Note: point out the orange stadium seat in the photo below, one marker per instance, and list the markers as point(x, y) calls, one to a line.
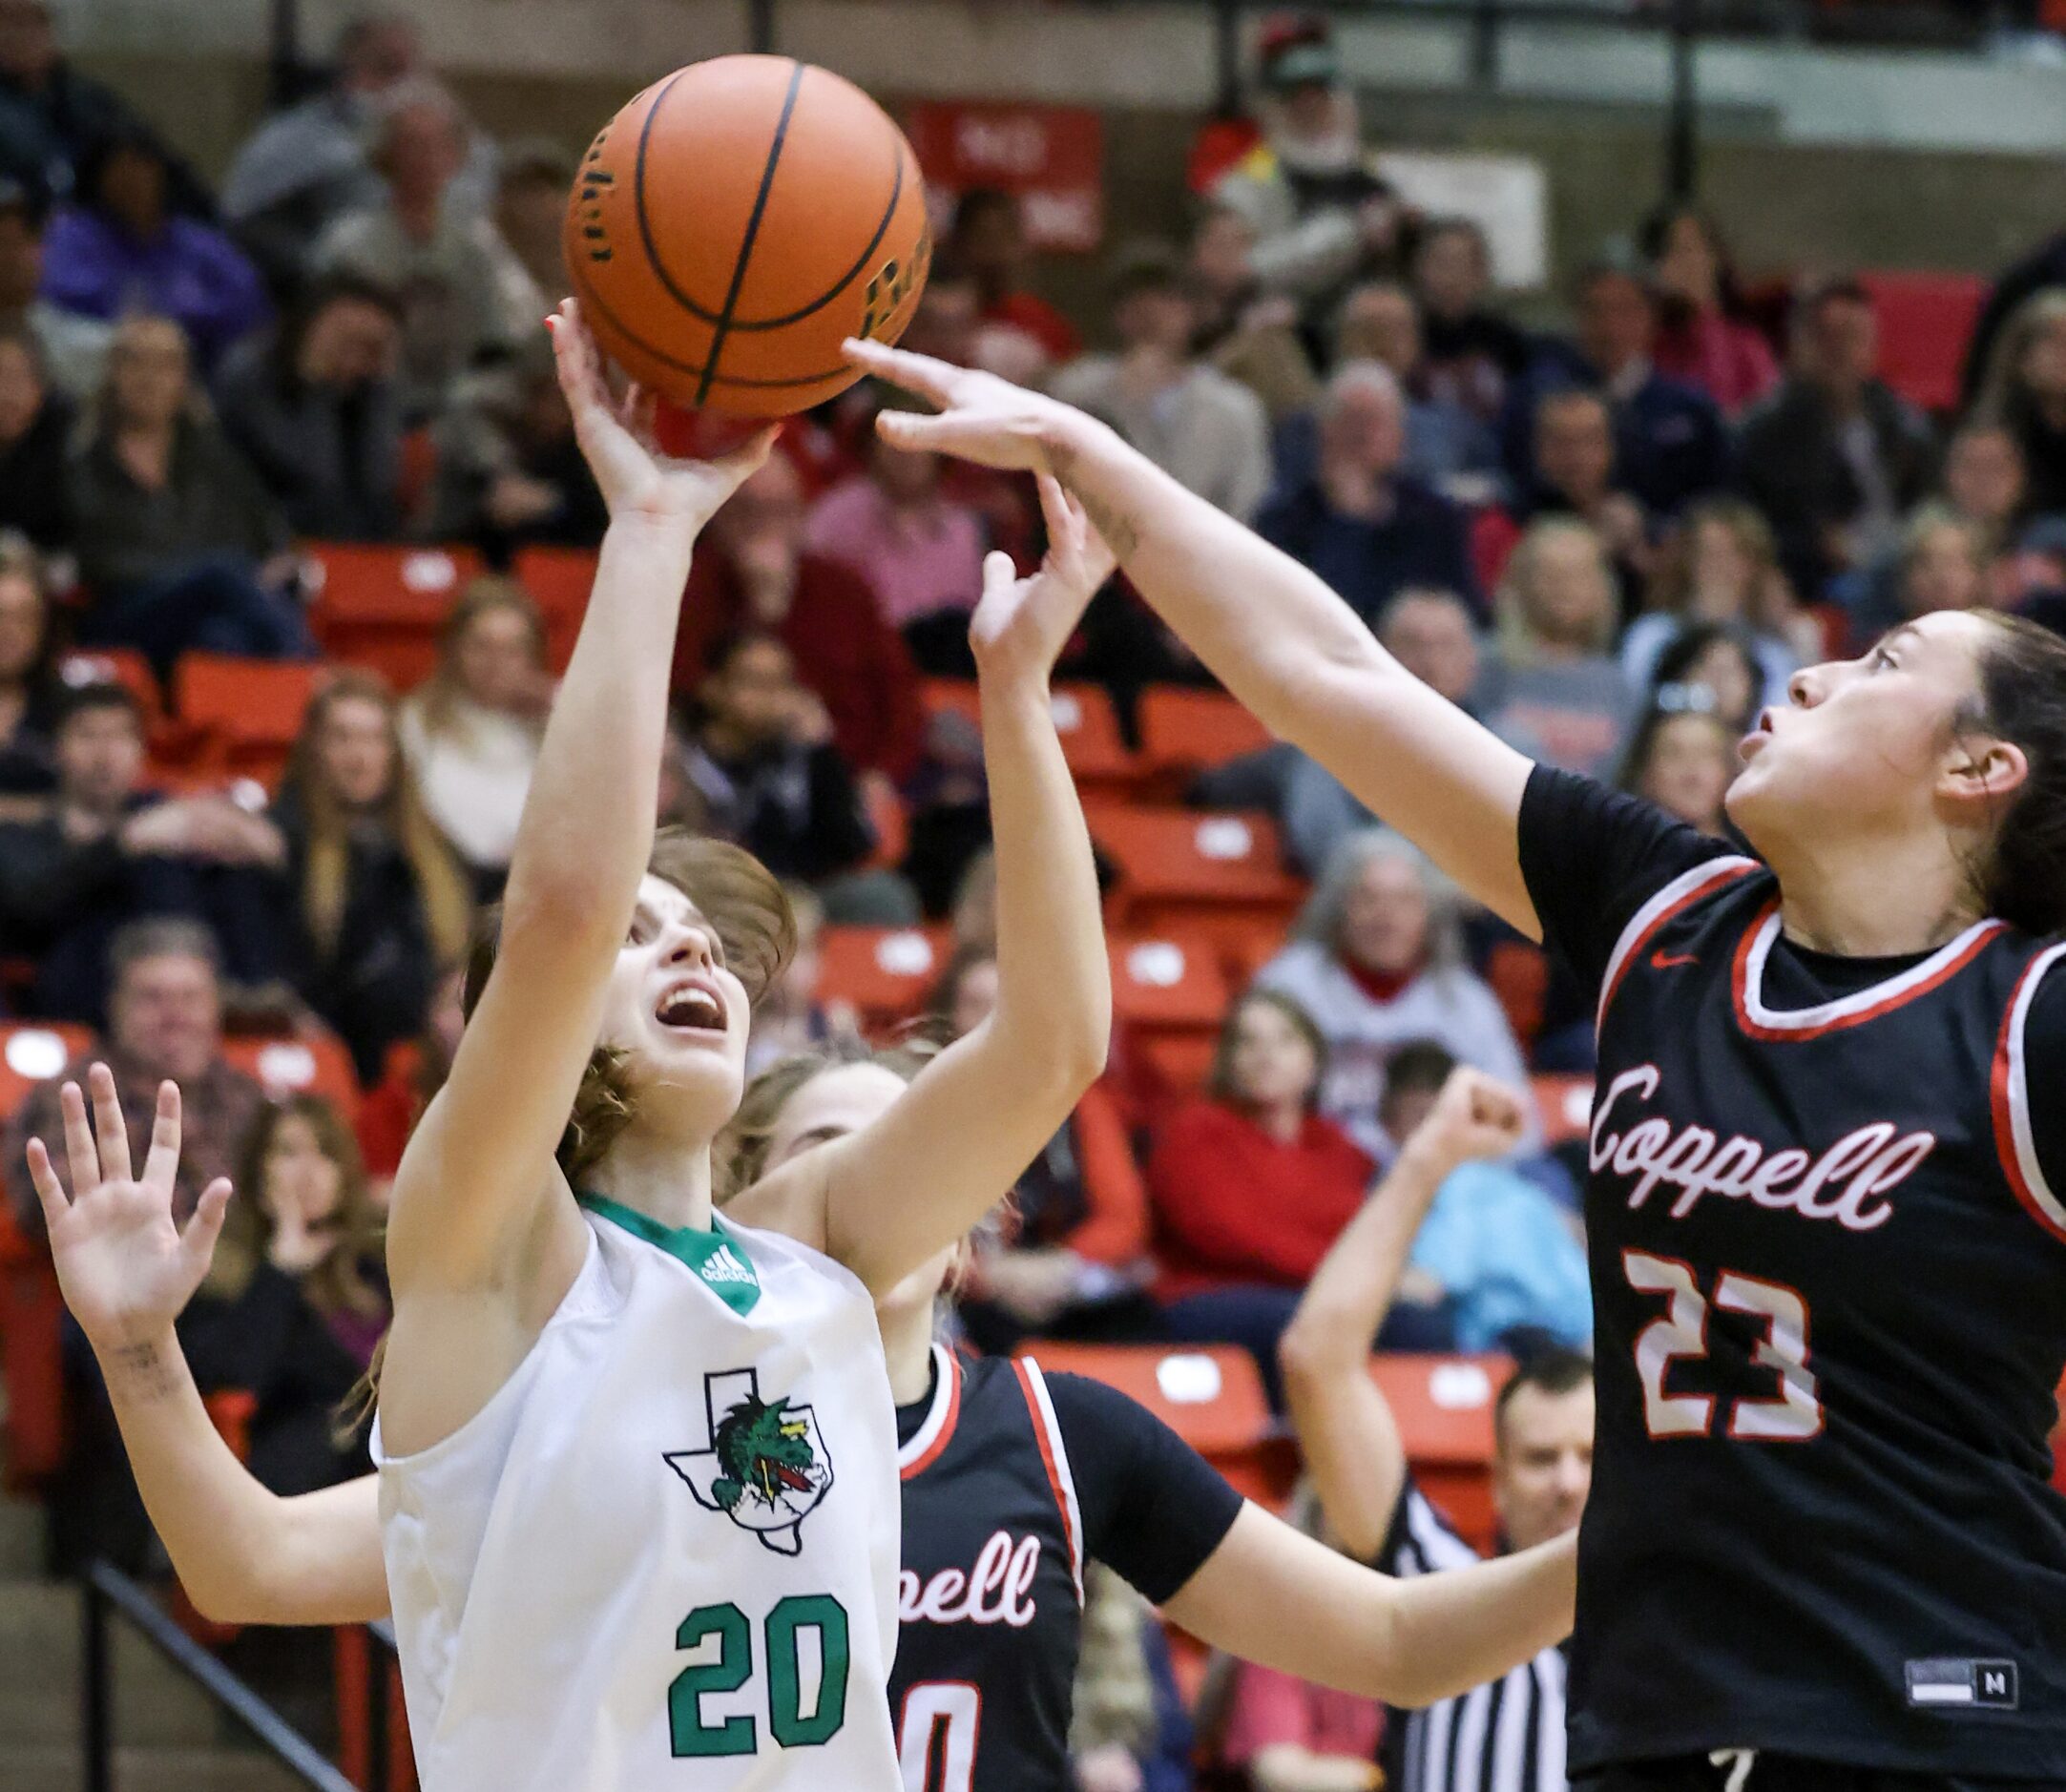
point(1444, 1408)
point(1565, 1104)
point(1084, 719)
point(886, 972)
point(1184, 731)
point(560, 580)
point(286, 1065)
point(1196, 869)
point(380, 607)
point(242, 715)
point(1210, 1395)
point(31, 1053)
point(1167, 983)
point(1926, 320)
point(119, 665)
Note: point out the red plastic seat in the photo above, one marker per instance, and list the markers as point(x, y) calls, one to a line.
point(1444, 1408)
point(1084, 719)
point(245, 712)
point(1926, 320)
point(33, 1052)
point(1167, 983)
point(1181, 1061)
point(560, 580)
point(119, 665)
point(1565, 1104)
point(886, 972)
point(316, 1062)
point(1210, 1395)
point(1184, 731)
point(1198, 871)
point(380, 607)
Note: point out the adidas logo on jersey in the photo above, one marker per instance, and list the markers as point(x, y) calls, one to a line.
point(720, 1265)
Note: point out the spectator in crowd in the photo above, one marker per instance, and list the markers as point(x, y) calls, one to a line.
point(1985, 480)
point(31, 686)
point(509, 471)
point(920, 553)
point(1321, 212)
point(1670, 443)
point(751, 572)
point(380, 898)
point(103, 852)
point(1714, 666)
point(1552, 674)
point(2025, 391)
point(164, 1022)
point(305, 166)
point(74, 348)
point(52, 116)
point(530, 218)
point(1834, 457)
point(1943, 564)
point(117, 247)
point(1066, 1257)
point(1288, 1735)
point(312, 404)
point(1128, 1729)
point(414, 1072)
point(291, 1307)
point(1204, 430)
point(1702, 338)
point(36, 430)
point(1682, 757)
point(1472, 353)
point(178, 539)
point(793, 1016)
point(988, 239)
point(1364, 528)
point(1247, 334)
point(2044, 267)
point(471, 731)
point(1572, 475)
point(1249, 1186)
point(1446, 445)
point(1721, 565)
point(423, 241)
point(762, 761)
point(1378, 959)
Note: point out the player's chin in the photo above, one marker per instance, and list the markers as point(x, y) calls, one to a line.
point(695, 1073)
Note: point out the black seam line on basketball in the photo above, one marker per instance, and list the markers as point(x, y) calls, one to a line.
point(723, 325)
point(749, 325)
point(591, 301)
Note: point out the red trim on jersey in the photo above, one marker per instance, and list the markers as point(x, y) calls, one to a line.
point(1047, 1460)
point(1641, 942)
point(1997, 1084)
point(1739, 985)
point(930, 1454)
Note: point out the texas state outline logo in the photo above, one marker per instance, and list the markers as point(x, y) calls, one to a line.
point(765, 1467)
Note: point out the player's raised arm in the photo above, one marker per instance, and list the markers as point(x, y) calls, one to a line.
point(243, 1553)
point(1346, 1430)
point(479, 1212)
point(1278, 638)
point(912, 1182)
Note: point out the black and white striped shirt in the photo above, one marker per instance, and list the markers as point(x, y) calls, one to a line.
point(1506, 1736)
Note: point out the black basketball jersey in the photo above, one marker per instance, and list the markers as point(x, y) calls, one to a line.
point(1829, 1285)
point(1011, 1480)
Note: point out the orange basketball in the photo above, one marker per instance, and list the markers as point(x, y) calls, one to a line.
point(737, 220)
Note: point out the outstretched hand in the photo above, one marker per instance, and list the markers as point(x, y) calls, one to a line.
point(1021, 625)
point(618, 440)
point(980, 417)
point(1475, 1116)
point(126, 1269)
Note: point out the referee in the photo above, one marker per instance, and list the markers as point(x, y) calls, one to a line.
point(1506, 1735)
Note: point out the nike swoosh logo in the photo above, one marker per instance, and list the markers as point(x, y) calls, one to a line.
point(1661, 960)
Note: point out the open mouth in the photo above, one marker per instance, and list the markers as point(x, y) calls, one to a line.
point(690, 1008)
point(1760, 733)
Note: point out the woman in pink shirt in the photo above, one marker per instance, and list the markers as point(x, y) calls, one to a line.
point(1699, 339)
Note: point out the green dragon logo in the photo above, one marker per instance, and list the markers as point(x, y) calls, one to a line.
point(766, 1465)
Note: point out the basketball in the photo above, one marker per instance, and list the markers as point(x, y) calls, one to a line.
point(734, 222)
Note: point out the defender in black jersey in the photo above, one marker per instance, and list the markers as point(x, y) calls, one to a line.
point(1828, 1201)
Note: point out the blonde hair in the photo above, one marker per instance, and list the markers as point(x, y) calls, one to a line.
point(1768, 604)
point(738, 1160)
point(1519, 639)
point(437, 700)
point(448, 901)
point(1114, 1701)
point(99, 419)
point(2001, 397)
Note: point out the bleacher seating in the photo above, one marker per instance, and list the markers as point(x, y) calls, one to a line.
point(380, 607)
point(886, 972)
point(1084, 719)
point(243, 715)
point(559, 580)
point(1926, 320)
point(1184, 732)
point(1169, 991)
point(1220, 874)
point(312, 1059)
point(1444, 1408)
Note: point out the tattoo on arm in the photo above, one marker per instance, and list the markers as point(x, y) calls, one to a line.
point(1121, 533)
point(142, 1371)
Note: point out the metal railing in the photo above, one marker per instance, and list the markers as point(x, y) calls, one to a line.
point(107, 1594)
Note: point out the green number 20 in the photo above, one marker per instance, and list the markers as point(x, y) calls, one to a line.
point(786, 1719)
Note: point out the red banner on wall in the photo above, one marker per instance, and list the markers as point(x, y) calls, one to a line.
point(1052, 157)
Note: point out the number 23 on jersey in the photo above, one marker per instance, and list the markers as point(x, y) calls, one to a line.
point(1789, 1413)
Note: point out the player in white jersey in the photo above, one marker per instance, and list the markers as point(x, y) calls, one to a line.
point(637, 1483)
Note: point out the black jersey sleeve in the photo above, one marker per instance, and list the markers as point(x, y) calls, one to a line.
point(2044, 1072)
point(1591, 855)
point(1153, 1508)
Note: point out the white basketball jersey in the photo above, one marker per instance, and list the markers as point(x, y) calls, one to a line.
point(665, 1553)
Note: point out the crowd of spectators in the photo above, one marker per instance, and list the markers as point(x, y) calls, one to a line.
point(1613, 545)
